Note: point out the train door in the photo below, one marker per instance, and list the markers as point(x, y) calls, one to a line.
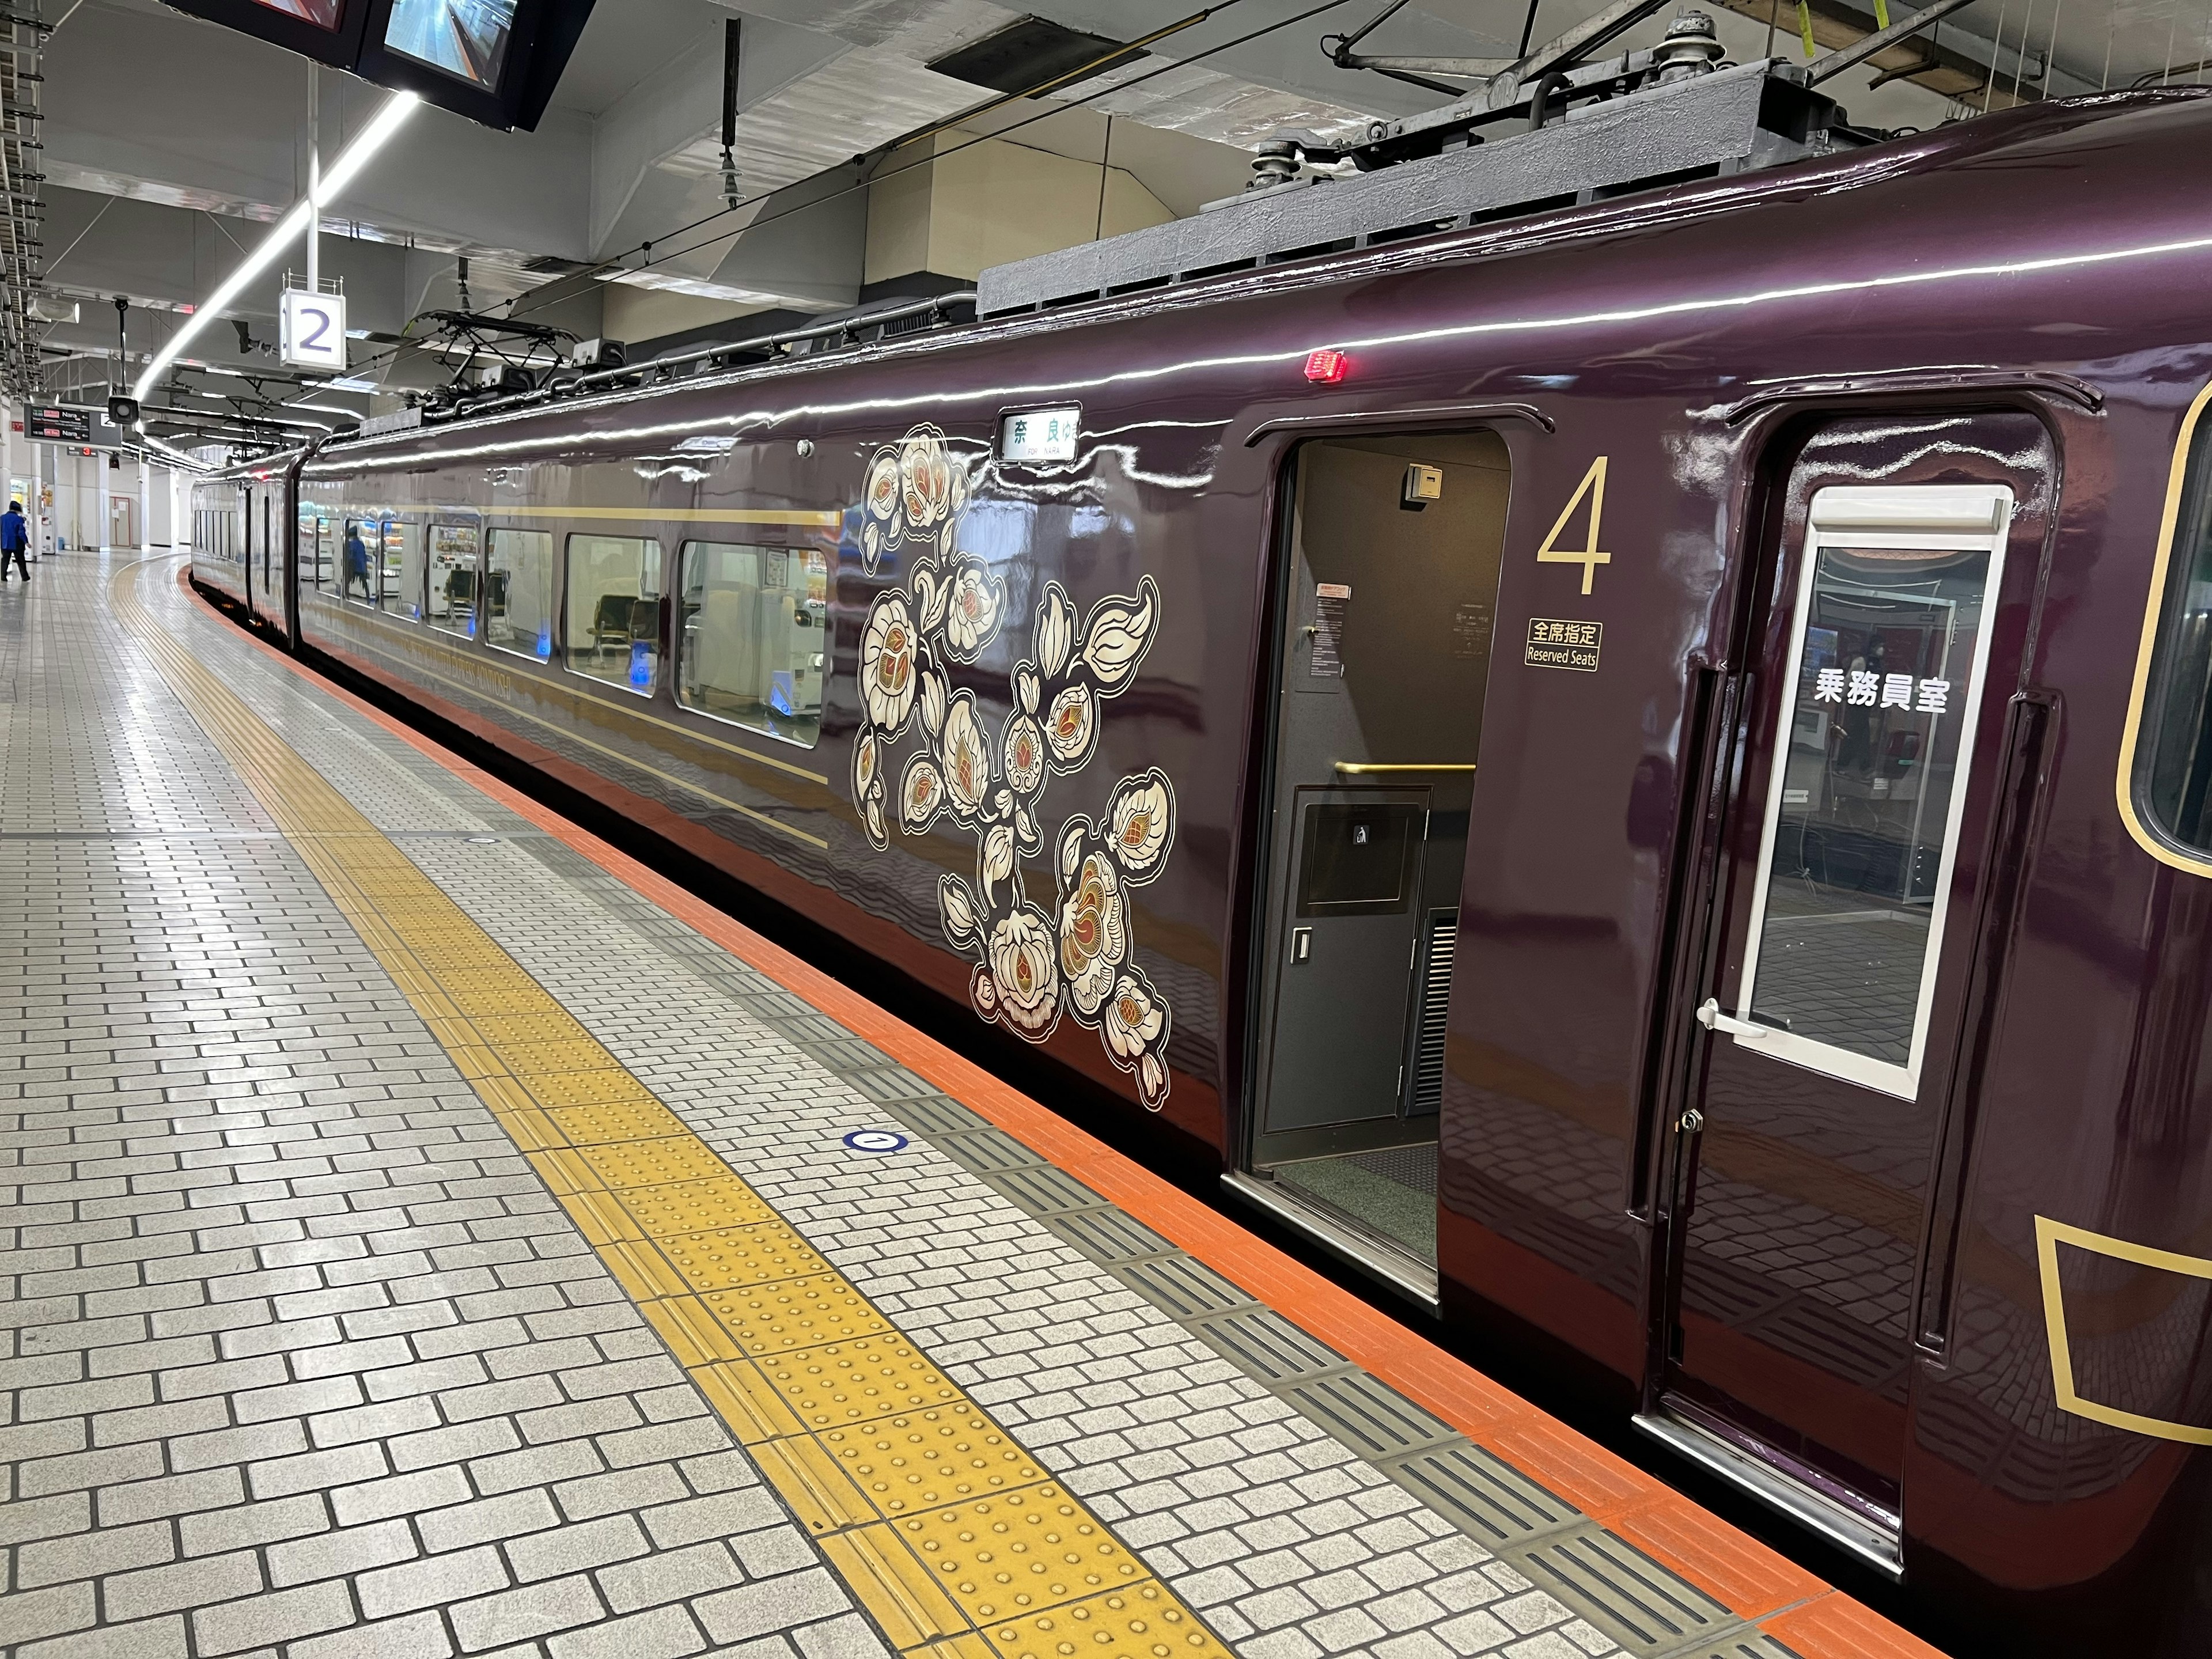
point(1842, 908)
point(245, 548)
point(1394, 554)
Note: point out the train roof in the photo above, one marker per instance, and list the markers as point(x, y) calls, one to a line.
point(1945, 149)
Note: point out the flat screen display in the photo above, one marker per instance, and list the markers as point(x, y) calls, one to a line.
point(466, 38)
point(323, 14)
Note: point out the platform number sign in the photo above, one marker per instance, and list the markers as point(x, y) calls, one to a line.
point(314, 330)
point(1592, 488)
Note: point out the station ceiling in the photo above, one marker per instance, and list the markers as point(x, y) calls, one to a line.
point(171, 142)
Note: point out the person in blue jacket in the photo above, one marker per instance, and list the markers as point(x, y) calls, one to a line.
point(14, 541)
point(356, 562)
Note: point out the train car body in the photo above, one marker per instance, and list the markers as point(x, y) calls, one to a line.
point(1672, 725)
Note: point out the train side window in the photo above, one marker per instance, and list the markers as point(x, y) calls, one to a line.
point(452, 602)
point(314, 545)
point(614, 610)
point(518, 597)
point(753, 639)
point(360, 544)
point(2173, 781)
point(403, 571)
point(1896, 593)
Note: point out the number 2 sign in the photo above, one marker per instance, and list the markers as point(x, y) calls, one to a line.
point(314, 330)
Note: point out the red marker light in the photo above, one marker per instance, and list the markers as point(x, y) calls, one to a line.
point(1327, 367)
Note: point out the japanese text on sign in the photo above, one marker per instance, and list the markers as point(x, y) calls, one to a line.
point(1554, 643)
point(1861, 689)
point(1040, 434)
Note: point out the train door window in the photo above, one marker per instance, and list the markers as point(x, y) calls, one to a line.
point(518, 597)
point(404, 571)
point(2172, 765)
point(452, 601)
point(360, 543)
point(1395, 546)
point(753, 643)
point(614, 610)
point(314, 545)
point(392, 557)
point(1894, 600)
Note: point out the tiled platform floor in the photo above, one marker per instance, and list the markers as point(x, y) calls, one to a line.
point(306, 1358)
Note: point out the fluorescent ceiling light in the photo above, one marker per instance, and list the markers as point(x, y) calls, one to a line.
point(356, 156)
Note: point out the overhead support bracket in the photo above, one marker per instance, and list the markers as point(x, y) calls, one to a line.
point(1503, 77)
point(1858, 51)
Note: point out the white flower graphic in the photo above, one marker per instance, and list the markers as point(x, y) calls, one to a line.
point(1141, 822)
point(1025, 754)
point(921, 794)
point(1094, 934)
point(1055, 631)
point(1120, 628)
point(1069, 726)
point(955, 910)
point(1029, 963)
point(887, 662)
point(924, 478)
point(1134, 1019)
point(1025, 973)
point(967, 761)
point(971, 617)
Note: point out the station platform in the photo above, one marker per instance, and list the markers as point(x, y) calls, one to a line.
point(431, 1233)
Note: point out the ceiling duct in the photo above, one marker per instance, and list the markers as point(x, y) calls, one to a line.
point(1031, 53)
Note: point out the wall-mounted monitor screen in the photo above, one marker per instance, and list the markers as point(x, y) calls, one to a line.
point(323, 14)
point(493, 61)
point(465, 37)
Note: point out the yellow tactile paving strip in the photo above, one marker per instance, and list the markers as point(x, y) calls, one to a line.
point(951, 1534)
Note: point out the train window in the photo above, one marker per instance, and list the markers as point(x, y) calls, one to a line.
point(2173, 781)
point(403, 570)
point(452, 602)
point(753, 639)
point(358, 544)
point(314, 545)
point(1891, 636)
point(614, 610)
point(518, 596)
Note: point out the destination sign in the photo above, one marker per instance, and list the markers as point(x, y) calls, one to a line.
point(50, 423)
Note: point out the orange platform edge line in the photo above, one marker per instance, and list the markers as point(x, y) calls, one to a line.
point(1752, 1581)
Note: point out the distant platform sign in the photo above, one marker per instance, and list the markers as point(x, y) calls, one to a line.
point(50, 423)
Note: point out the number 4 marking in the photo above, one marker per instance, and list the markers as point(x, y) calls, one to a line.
point(1587, 555)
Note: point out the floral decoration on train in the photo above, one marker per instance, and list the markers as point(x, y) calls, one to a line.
point(926, 753)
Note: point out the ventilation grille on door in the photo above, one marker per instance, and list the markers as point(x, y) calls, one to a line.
point(1428, 1093)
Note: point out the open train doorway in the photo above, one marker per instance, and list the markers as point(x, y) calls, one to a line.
point(1393, 551)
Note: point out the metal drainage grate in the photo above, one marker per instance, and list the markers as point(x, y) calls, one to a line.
point(884, 1085)
point(1375, 1420)
point(983, 1151)
point(1180, 1286)
point(1106, 1235)
point(1268, 1347)
point(934, 1115)
point(1621, 1591)
point(1485, 1497)
point(847, 1054)
point(1042, 1189)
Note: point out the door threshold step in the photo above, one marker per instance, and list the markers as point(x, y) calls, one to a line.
point(1405, 1274)
point(1874, 1537)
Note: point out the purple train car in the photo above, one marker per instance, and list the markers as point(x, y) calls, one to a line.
point(1640, 766)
